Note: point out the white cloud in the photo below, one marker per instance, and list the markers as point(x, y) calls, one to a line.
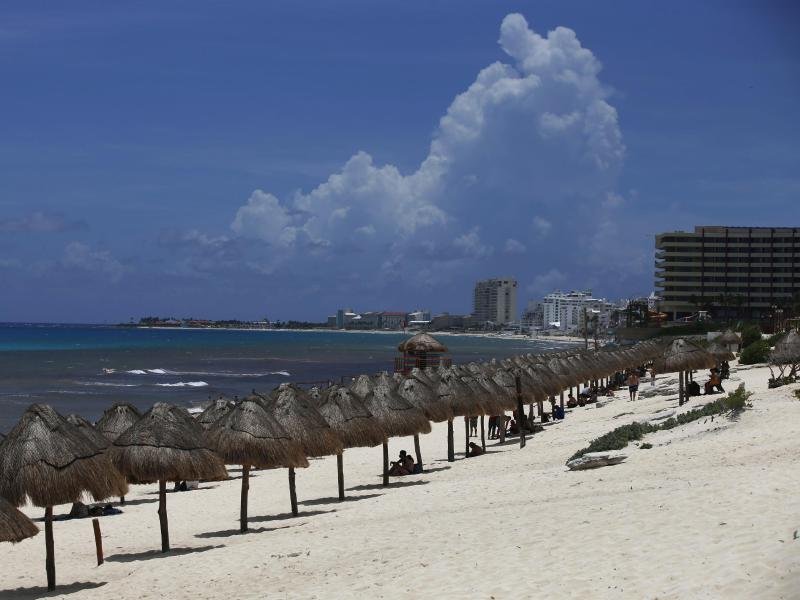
point(80, 256)
point(513, 246)
point(546, 282)
point(613, 200)
point(541, 226)
point(527, 142)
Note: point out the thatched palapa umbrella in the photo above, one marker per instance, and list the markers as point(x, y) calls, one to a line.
point(681, 356)
point(214, 411)
point(14, 525)
point(89, 431)
point(250, 435)
point(165, 445)
point(294, 410)
point(49, 461)
point(117, 420)
point(731, 339)
point(349, 417)
point(396, 415)
point(424, 397)
point(720, 352)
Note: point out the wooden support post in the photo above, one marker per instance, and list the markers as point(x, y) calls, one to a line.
point(50, 559)
point(385, 462)
point(451, 454)
point(561, 400)
point(162, 514)
point(243, 503)
point(98, 541)
point(292, 492)
point(520, 411)
point(466, 436)
point(540, 408)
point(680, 388)
point(418, 450)
point(483, 434)
point(340, 474)
point(122, 500)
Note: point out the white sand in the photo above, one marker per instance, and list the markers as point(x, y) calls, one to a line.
point(711, 511)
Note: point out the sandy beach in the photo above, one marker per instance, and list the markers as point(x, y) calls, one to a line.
point(711, 511)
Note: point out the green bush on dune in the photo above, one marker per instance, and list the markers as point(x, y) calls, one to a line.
point(750, 334)
point(757, 352)
point(616, 439)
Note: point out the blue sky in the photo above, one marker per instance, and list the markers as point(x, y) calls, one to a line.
point(281, 159)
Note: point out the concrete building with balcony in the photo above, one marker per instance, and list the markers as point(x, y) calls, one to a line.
point(738, 272)
point(566, 311)
point(495, 301)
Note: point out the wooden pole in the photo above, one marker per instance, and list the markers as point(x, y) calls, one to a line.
point(162, 514)
point(98, 541)
point(451, 455)
point(385, 462)
point(562, 399)
point(483, 434)
point(340, 474)
point(50, 560)
point(540, 407)
point(680, 388)
point(245, 491)
point(418, 450)
point(292, 491)
point(520, 409)
point(466, 436)
point(122, 500)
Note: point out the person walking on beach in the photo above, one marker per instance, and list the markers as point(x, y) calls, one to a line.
point(633, 384)
point(473, 426)
point(501, 427)
point(492, 427)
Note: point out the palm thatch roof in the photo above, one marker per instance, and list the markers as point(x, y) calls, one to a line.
point(787, 350)
point(423, 396)
point(214, 411)
point(719, 351)
point(49, 460)
point(88, 430)
point(294, 410)
point(729, 338)
point(166, 444)
point(117, 419)
point(502, 396)
point(14, 526)
point(397, 416)
point(349, 417)
point(421, 343)
point(683, 355)
point(249, 434)
point(489, 400)
point(457, 394)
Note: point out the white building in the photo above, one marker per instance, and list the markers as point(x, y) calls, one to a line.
point(533, 316)
point(495, 300)
point(565, 311)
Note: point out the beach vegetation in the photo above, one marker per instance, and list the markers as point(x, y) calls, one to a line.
point(750, 334)
point(645, 446)
point(731, 405)
point(757, 352)
point(797, 393)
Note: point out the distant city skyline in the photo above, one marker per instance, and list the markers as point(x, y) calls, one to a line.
point(281, 160)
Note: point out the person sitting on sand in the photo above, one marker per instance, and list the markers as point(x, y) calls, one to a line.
point(399, 466)
point(512, 427)
point(571, 402)
point(713, 382)
point(408, 464)
point(474, 450)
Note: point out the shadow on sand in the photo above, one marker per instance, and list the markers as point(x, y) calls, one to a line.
point(151, 554)
point(335, 499)
point(392, 484)
point(233, 532)
point(41, 592)
point(285, 516)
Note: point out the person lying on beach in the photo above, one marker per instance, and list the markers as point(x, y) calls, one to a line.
point(400, 466)
point(474, 450)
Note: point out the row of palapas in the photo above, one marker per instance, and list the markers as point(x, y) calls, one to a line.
point(50, 460)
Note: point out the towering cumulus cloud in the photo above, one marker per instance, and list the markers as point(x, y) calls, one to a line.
point(530, 149)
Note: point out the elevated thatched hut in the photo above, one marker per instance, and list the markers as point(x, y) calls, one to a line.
point(14, 525)
point(420, 352)
point(49, 461)
point(351, 419)
point(250, 435)
point(116, 420)
point(166, 444)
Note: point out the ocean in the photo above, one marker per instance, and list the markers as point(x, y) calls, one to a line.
point(84, 369)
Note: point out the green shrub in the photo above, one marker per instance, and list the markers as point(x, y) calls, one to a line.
point(757, 352)
point(750, 334)
point(616, 439)
point(645, 446)
point(797, 394)
point(775, 338)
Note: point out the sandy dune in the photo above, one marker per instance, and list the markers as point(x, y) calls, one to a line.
point(711, 511)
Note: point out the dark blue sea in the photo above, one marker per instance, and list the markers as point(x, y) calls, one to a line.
point(84, 369)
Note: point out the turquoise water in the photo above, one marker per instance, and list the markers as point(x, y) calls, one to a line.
point(85, 369)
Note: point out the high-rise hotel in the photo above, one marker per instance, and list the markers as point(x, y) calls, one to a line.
point(744, 272)
point(495, 300)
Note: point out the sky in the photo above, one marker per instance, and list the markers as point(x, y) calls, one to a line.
point(283, 159)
